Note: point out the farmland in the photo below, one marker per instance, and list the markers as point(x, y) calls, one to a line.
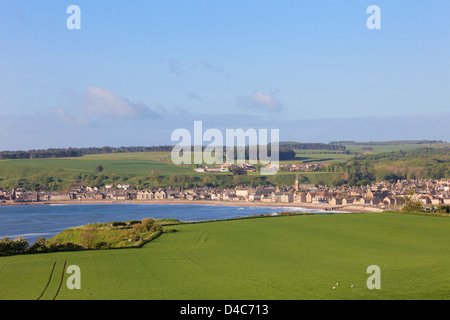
point(60, 173)
point(144, 169)
point(285, 257)
point(155, 169)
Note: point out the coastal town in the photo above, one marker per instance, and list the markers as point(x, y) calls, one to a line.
point(382, 195)
point(291, 167)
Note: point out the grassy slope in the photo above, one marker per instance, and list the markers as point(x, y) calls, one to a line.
point(66, 170)
point(110, 165)
point(129, 167)
point(132, 166)
point(294, 257)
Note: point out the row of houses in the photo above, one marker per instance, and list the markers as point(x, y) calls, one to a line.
point(429, 192)
point(302, 166)
point(226, 167)
point(19, 195)
point(262, 194)
point(291, 196)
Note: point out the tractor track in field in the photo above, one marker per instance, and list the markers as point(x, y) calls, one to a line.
point(204, 266)
point(62, 280)
point(205, 239)
point(52, 272)
point(198, 240)
point(49, 279)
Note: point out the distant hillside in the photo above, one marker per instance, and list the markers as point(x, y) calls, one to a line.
point(311, 146)
point(285, 149)
point(76, 152)
point(421, 163)
point(385, 143)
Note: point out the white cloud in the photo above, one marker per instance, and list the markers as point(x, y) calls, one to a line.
point(99, 101)
point(69, 118)
point(97, 104)
point(261, 101)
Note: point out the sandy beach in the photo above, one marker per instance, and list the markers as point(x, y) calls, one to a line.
point(350, 208)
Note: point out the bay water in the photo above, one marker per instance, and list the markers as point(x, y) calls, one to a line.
point(34, 221)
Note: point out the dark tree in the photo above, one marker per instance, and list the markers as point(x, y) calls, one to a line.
point(239, 171)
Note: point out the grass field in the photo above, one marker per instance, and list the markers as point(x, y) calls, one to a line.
point(286, 257)
point(135, 164)
point(381, 147)
point(127, 168)
point(64, 172)
point(319, 156)
point(155, 169)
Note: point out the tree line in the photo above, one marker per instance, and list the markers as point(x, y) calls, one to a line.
point(312, 146)
point(284, 153)
point(422, 163)
point(387, 143)
point(77, 152)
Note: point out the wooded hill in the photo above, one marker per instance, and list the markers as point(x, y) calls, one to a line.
point(311, 146)
point(422, 163)
point(76, 152)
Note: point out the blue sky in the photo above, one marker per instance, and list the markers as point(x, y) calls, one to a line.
point(136, 71)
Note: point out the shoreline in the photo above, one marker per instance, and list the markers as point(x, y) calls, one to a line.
point(325, 207)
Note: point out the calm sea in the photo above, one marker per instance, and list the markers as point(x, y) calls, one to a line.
point(34, 221)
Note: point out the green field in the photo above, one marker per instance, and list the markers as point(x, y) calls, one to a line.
point(61, 173)
point(152, 170)
point(391, 146)
point(319, 156)
point(285, 257)
point(134, 163)
point(137, 169)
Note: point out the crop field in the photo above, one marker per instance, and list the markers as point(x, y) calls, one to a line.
point(274, 258)
point(155, 169)
point(138, 164)
point(380, 147)
point(142, 163)
point(320, 156)
point(61, 173)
